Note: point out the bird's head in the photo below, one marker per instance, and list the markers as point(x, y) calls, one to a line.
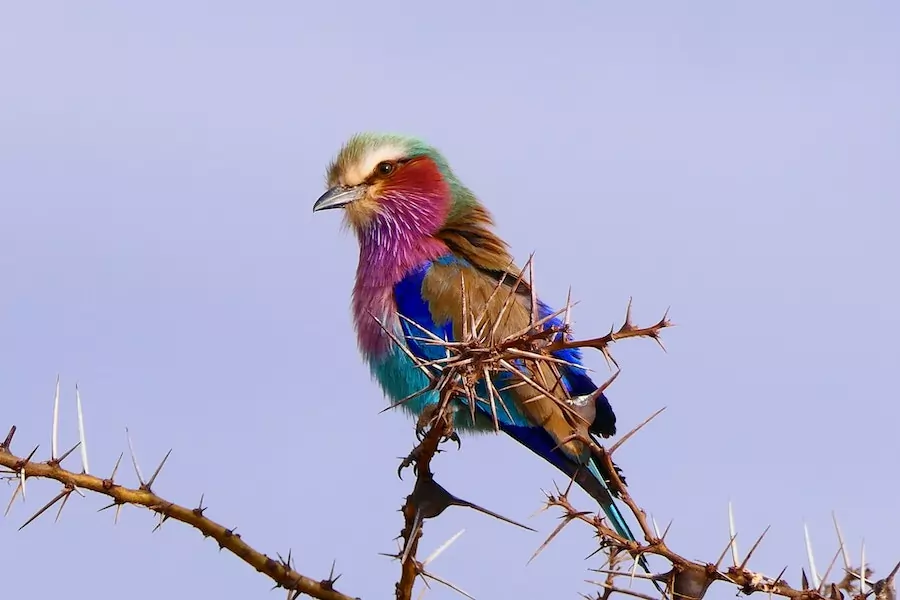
point(391, 182)
point(405, 205)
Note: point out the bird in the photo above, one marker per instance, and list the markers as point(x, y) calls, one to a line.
point(423, 238)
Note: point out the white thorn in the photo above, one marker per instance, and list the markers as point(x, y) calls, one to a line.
point(534, 300)
point(812, 561)
point(844, 554)
point(12, 499)
point(733, 535)
point(442, 547)
point(134, 461)
point(862, 567)
point(567, 320)
point(54, 440)
point(655, 526)
point(81, 436)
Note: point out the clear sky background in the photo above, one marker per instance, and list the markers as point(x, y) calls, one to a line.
point(158, 164)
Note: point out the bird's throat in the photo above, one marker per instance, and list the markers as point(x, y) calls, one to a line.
point(382, 264)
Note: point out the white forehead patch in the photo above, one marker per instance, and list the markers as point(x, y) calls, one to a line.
point(360, 170)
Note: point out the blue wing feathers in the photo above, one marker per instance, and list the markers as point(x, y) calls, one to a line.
point(411, 304)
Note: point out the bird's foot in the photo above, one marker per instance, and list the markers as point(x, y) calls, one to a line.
point(411, 460)
point(421, 451)
point(431, 418)
point(433, 428)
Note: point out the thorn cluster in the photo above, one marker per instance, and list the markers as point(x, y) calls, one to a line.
point(690, 580)
point(483, 356)
point(467, 375)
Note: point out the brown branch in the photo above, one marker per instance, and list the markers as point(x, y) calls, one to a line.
point(627, 330)
point(412, 515)
point(428, 499)
point(279, 571)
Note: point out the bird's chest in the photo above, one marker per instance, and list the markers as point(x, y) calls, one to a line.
point(385, 349)
point(383, 345)
point(375, 320)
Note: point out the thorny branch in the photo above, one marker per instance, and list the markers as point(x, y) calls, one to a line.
point(414, 510)
point(280, 571)
point(463, 379)
point(428, 498)
point(475, 360)
point(481, 354)
point(690, 580)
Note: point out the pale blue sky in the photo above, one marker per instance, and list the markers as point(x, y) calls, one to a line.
point(158, 163)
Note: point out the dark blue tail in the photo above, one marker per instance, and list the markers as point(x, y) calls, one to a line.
point(589, 479)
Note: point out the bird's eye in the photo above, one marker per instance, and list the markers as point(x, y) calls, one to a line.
point(385, 168)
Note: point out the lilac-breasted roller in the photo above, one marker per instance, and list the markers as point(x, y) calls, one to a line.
point(421, 231)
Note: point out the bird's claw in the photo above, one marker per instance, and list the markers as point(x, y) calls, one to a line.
point(424, 422)
point(454, 437)
point(410, 461)
point(430, 418)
